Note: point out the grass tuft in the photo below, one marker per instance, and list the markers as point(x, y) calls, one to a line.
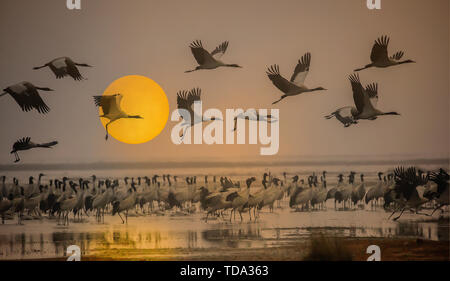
point(327, 249)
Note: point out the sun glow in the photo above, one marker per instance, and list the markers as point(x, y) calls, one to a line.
point(141, 96)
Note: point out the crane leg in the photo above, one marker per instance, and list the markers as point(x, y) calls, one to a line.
point(439, 207)
point(396, 218)
point(184, 132)
point(121, 218)
point(17, 157)
point(395, 211)
point(106, 137)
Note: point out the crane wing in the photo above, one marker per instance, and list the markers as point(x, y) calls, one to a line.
point(406, 181)
point(397, 56)
point(220, 50)
point(201, 55)
point(72, 70)
point(34, 99)
point(21, 142)
point(358, 92)
point(183, 101)
point(301, 70)
point(273, 72)
point(58, 66)
point(441, 179)
point(345, 112)
point(194, 95)
point(379, 50)
point(186, 99)
point(19, 97)
point(372, 92)
point(109, 104)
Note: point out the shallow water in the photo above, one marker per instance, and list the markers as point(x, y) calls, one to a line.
point(45, 239)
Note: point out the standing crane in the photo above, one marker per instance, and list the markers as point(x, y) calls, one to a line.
point(125, 204)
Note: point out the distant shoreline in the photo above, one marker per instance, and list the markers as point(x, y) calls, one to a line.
point(216, 164)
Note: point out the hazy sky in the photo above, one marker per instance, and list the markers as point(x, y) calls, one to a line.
point(151, 38)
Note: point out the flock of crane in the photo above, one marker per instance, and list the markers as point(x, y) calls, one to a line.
point(27, 95)
point(401, 190)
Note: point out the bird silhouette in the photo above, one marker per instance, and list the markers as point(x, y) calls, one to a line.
point(25, 144)
point(27, 96)
point(208, 60)
point(365, 100)
point(64, 66)
point(253, 115)
point(380, 57)
point(111, 109)
point(185, 100)
point(296, 85)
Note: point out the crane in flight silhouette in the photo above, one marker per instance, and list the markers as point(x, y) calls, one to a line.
point(112, 110)
point(25, 143)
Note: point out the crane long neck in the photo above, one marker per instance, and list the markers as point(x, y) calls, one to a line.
point(405, 61)
point(231, 65)
point(315, 89)
point(39, 67)
point(44, 89)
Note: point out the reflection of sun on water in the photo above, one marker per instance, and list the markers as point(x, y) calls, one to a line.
point(141, 96)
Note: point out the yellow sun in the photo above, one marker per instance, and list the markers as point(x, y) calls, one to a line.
point(141, 96)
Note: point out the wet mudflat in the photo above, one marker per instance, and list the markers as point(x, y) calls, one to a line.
point(281, 235)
